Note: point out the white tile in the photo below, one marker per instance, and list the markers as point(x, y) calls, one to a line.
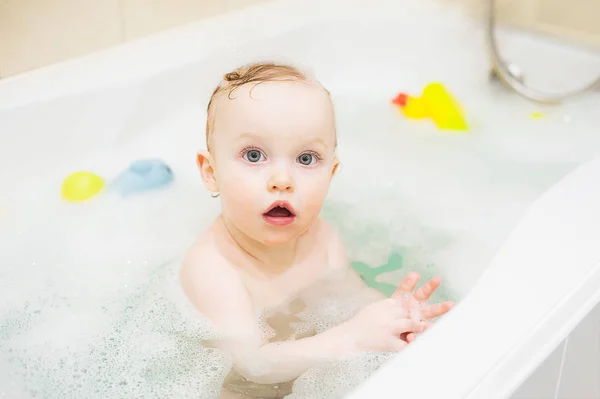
point(581, 371)
point(580, 378)
point(542, 383)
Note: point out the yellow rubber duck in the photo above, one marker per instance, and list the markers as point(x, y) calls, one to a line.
point(435, 102)
point(82, 185)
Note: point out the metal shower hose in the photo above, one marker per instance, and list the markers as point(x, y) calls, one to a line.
point(502, 72)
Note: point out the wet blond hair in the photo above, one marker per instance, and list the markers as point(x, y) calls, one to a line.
point(256, 73)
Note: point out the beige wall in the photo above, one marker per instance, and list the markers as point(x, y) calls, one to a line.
point(574, 20)
point(34, 33)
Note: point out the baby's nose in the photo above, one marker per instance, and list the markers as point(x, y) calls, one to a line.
point(281, 182)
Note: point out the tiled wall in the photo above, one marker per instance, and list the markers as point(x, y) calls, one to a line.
point(577, 21)
point(577, 376)
point(34, 33)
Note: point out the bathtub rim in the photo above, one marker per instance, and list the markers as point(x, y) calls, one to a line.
point(505, 372)
point(576, 305)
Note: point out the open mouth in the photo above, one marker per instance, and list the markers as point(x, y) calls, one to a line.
point(280, 213)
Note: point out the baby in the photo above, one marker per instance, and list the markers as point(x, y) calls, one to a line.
point(271, 155)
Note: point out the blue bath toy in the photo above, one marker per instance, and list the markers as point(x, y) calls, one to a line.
point(369, 274)
point(143, 175)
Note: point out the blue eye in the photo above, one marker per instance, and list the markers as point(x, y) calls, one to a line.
point(307, 159)
point(253, 156)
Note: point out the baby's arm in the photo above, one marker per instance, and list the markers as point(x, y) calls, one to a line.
point(215, 288)
point(414, 302)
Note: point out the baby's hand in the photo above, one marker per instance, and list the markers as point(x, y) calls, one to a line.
point(378, 326)
point(416, 303)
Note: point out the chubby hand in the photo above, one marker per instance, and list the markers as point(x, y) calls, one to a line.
point(380, 326)
point(416, 302)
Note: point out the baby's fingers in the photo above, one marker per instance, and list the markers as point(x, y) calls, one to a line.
point(397, 345)
point(426, 325)
point(406, 325)
point(429, 312)
point(427, 289)
point(399, 313)
point(407, 285)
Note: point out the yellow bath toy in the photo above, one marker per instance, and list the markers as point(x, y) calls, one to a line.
point(537, 115)
point(435, 102)
point(412, 107)
point(80, 186)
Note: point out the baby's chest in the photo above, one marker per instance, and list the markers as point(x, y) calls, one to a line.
point(271, 293)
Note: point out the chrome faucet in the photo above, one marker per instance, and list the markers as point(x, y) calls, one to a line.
point(512, 76)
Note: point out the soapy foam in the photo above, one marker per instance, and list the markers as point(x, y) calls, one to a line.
point(91, 303)
point(148, 346)
point(336, 379)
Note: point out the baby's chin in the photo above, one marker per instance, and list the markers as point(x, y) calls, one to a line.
point(280, 238)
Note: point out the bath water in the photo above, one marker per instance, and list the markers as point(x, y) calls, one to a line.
point(90, 304)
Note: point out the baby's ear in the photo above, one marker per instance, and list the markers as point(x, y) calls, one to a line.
point(205, 163)
point(336, 163)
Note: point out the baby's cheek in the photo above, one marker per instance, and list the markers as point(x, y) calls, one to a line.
point(236, 183)
point(241, 196)
point(314, 199)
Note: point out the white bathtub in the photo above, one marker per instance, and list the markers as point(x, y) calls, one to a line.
point(524, 251)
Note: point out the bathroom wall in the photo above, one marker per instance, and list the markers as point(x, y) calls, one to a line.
point(572, 371)
point(577, 21)
point(34, 33)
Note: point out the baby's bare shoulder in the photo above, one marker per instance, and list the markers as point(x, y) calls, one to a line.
point(202, 249)
point(204, 259)
point(209, 280)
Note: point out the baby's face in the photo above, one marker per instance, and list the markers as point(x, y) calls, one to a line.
point(274, 146)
